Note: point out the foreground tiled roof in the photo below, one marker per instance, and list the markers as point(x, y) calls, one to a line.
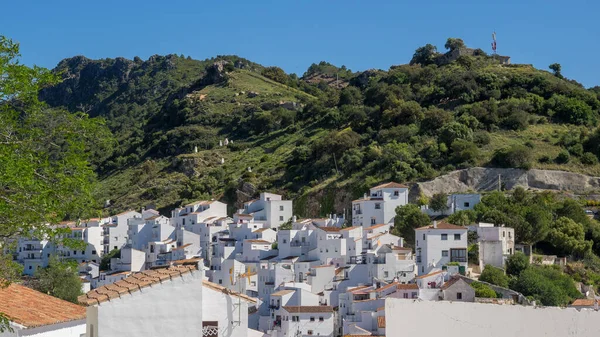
point(32, 308)
point(430, 274)
point(442, 225)
point(381, 322)
point(584, 302)
point(308, 308)
point(391, 184)
point(133, 283)
point(410, 286)
point(145, 279)
point(330, 229)
point(450, 283)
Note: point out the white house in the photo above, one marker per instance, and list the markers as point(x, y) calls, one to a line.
point(379, 206)
point(115, 232)
point(305, 321)
point(166, 301)
point(440, 244)
point(496, 244)
point(455, 203)
point(32, 313)
point(269, 209)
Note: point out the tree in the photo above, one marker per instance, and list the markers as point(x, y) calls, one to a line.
point(483, 290)
point(60, 279)
point(453, 131)
point(425, 55)
point(515, 156)
point(105, 262)
point(516, 263)
point(546, 285)
point(556, 68)
point(276, 74)
point(439, 202)
point(493, 275)
point(45, 173)
point(464, 152)
point(409, 217)
point(463, 218)
point(454, 43)
point(350, 95)
point(568, 237)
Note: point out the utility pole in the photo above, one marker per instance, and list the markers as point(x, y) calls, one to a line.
point(499, 184)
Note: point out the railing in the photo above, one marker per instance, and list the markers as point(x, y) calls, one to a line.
point(297, 244)
point(458, 259)
point(357, 212)
point(32, 248)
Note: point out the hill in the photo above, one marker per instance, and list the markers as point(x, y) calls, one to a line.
point(320, 141)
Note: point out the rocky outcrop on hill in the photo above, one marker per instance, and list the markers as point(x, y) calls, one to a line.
point(215, 73)
point(488, 179)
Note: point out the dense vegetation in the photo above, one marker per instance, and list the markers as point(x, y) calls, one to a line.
point(303, 134)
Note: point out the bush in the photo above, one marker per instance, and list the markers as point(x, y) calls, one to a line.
point(483, 290)
point(589, 158)
point(494, 275)
point(516, 263)
point(481, 138)
point(545, 159)
point(547, 285)
point(563, 157)
point(516, 156)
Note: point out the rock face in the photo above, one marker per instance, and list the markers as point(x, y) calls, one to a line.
point(487, 179)
point(215, 73)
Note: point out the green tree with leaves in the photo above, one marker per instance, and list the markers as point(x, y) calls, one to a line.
point(516, 263)
point(568, 237)
point(463, 218)
point(556, 69)
point(454, 43)
point(425, 55)
point(60, 279)
point(409, 217)
point(493, 275)
point(439, 202)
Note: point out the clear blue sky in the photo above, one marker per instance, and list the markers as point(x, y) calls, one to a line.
point(293, 34)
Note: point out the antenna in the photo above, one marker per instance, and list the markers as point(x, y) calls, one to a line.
point(494, 42)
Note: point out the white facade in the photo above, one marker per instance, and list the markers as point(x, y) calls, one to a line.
point(379, 206)
point(496, 244)
point(68, 329)
point(462, 319)
point(115, 232)
point(440, 244)
point(305, 321)
point(455, 203)
point(269, 209)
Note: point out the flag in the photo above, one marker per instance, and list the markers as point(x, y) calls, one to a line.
point(494, 46)
point(494, 36)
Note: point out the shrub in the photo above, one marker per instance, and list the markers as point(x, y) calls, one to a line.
point(589, 158)
point(494, 275)
point(481, 138)
point(563, 157)
point(516, 263)
point(545, 159)
point(483, 290)
point(516, 156)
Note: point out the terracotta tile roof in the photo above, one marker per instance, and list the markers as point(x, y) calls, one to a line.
point(430, 274)
point(324, 266)
point(350, 228)
point(182, 247)
point(185, 262)
point(245, 215)
point(442, 225)
point(329, 229)
point(385, 287)
point(259, 241)
point(381, 322)
point(224, 290)
point(283, 292)
point(584, 302)
point(153, 217)
point(449, 284)
point(339, 270)
point(375, 236)
point(380, 308)
point(260, 230)
point(308, 308)
point(376, 226)
point(32, 308)
point(409, 286)
point(132, 283)
point(391, 184)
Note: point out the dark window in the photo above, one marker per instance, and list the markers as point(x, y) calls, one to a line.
point(280, 218)
point(321, 319)
point(396, 193)
point(444, 253)
point(281, 208)
point(459, 296)
point(423, 236)
point(377, 206)
point(456, 237)
point(444, 237)
point(372, 221)
point(93, 252)
point(312, 319)
point(466, 204)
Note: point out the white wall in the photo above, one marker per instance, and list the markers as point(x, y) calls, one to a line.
point(171, 308)
point(68, 329)
point(461, 319)
point(229, 311)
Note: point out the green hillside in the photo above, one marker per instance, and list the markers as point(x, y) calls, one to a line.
point(304, 136)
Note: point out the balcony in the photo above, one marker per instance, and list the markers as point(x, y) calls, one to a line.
point(458, 259)
point(418, 259)
point(357, 212)
point(30, 248)
point(297, 244)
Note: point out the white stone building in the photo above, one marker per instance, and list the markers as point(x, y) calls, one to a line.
point(379, 205)
point(115, 231)
point(31, 313)
point(496, 244)
point(166, 301)
point(269, 209)
point(440, 244)
point(305, 321)
point(456, 202)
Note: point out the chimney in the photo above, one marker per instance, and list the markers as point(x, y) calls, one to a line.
point(434, 224)
point(365, 196)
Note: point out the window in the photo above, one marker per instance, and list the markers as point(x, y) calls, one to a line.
point(405, 295)
point(93, 252)
point(281, 218)
point(466, 204)
point(321, 319)
point(220, 281)
point(509, 235)
point(422, 269)
point(377, 205)
point(456, 237)
point(503, 233)
point(385, 274)
point(414, 295)
point(309, 332)
point(372, 221)
point(116, 247)
point(444, 253)
point(423, 236)
point(312, 319)
point(29, 267)
point(444, 237)
point(83, 252)
point(74, 252)
point(284, 241)
point(295, 319)
point(459, 296)
point(396, 193)
point(281, 208)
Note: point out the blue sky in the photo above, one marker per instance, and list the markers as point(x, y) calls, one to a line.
point(293, 34)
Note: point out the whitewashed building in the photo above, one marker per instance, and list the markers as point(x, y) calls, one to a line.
point(305, 321)
point(269, 209)
point(379, 205)
point(439, 244)
point(114, 232)
point(32, 313)
point(496, 244)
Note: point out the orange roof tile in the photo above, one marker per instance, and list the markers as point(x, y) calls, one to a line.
point(584, 302)
point(260, 230)
point(350, 228)
point(259, 241)
point(410, 286)
point(391, 184)
point(32, 308)
point(442, 225)
point(381, 322)
point(283, 292)
point(376, 226)
point(430, 274)
point(380, 308)
point(449, 284)
point(385, 287)
point(308, 308)
point(330, 229)
point(182, 247)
